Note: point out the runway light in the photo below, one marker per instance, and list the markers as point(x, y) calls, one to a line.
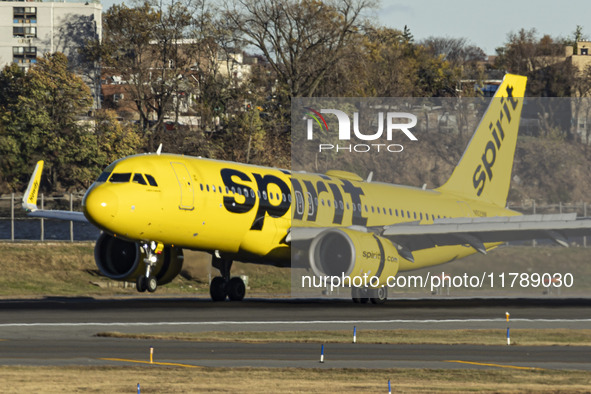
point(354, 334)
point(151, 355)
point(138, 389)
point(508, 337)
point(322, 353)
point(389, 387)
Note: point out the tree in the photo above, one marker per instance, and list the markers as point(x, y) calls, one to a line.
point(147, 46)
point(542, 60)
point(301, 40)
point(40, 119)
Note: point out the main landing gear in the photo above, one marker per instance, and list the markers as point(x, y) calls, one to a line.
point(361, 295)
point(147, 281)
point(224, 286)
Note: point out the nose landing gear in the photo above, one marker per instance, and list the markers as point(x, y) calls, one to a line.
point(149, 282)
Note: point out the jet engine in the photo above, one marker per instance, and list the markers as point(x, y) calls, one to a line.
point(349, 253)
point(123, 260)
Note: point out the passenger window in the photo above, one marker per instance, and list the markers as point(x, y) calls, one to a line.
point(378, 209)
point(220, 189)
point(372, 209)
point(289, 198)
point(251, 193)
point(201, 186)
point(207, 187)
point(396, 212)
point(120, 177)
point(227, 190)
point(390, 211)
point(213, 188)
point(151, 180)
point(233, 190)
point(138, 178)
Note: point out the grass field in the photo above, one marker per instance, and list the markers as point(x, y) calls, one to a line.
point(64, 269)
point(519, 337)
point(155, 379)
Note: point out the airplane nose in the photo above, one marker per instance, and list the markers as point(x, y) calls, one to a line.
point(100, 206)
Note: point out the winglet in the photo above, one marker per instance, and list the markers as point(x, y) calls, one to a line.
point(30, 197)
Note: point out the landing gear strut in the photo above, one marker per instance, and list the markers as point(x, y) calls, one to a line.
point(148, 282)
point(224, 286)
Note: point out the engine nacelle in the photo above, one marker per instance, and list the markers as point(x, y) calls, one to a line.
point(350, 253)
point(123, 260)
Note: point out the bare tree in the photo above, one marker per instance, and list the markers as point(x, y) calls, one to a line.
point(301, 40)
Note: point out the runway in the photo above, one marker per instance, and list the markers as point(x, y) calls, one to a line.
point(61, 331)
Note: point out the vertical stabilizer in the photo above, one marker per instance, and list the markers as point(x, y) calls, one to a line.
point(484, 171)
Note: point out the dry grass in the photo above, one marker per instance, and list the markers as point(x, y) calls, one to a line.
point(265, 380)
point(64, 269)
point(523, 337)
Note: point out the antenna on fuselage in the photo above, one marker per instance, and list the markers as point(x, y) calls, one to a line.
point(159, 150)
point(369, 177)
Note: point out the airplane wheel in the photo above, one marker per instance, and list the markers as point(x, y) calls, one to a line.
point(140, 283)
point(380, 295)
point(217, 289)
point(356, 295)
point(236, 289)
point(151, 284)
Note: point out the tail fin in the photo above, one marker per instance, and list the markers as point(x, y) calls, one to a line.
point(484, 171)
point(30, 197)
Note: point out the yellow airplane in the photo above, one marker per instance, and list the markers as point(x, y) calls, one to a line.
point(151, 206)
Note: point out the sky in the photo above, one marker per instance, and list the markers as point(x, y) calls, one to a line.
point(484, 23)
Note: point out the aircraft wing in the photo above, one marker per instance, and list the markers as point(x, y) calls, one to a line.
point(30, 201)
point(476, 232)
point(71, 216)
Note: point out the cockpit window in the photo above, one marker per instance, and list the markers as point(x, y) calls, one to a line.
point(151, 180)
point(138, 178)
point(103, 177)
point(120, 177)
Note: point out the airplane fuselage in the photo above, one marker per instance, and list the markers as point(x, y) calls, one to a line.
point(246, 211)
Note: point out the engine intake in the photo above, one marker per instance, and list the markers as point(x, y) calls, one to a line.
point(123, 260)
point(346, 252)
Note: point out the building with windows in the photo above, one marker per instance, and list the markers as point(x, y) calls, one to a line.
point(29, 29)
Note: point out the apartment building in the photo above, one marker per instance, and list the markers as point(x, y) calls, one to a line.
point(29, 29)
